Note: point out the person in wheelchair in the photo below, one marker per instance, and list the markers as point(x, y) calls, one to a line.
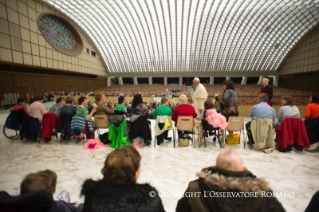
point(15, 118)
point(21, 104)
point(207, 128)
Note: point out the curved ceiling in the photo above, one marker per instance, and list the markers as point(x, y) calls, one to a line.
point(192, 35)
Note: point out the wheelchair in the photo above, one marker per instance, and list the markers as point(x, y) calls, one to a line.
point(12, 126)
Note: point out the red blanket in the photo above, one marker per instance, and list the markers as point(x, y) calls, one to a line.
point(48, 129)
point(292, 131)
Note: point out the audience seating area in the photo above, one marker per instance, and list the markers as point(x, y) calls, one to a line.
point(247, 94)
point(145, 90)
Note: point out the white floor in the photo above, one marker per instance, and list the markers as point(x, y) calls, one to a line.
point(166, 168)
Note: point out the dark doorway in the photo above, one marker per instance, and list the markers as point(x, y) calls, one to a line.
point(236, 80)
point(128, 80)
point(188, 80)
point(158, 80)
point(252, 80)
point(204, 80)
point(142, 80)
point(172, 80)
point(219, 80)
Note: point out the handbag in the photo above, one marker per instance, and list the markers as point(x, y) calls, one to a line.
point(104, 138)
point(233, 139)
point(183, 142)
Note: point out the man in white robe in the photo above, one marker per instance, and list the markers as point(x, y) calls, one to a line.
point(200, 96)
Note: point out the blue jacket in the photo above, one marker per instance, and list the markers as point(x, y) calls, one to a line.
point(30, 128)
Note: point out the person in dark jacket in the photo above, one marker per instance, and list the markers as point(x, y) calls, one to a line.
point(266, 89)
point(228, 186)
point(118, 190)
point(229, 100)
point(314, 203)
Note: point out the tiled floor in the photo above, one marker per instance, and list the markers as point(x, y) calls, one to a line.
point(166, 168)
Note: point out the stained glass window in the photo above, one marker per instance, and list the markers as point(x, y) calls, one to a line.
point(56, 32)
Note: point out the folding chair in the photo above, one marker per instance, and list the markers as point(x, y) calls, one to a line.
point(237, 124)
point(185, 123)
point(170, 128)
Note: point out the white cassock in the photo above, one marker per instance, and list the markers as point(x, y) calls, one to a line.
point(200, 97)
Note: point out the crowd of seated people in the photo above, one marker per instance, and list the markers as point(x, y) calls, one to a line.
point(157, 90)
point(247, 94)
point(118, 189)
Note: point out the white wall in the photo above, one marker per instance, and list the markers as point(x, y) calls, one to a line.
point(22, 43)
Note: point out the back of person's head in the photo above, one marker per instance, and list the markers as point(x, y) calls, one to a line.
point(98, 97)
point(229, 84)
point(137, 100)
point(289, 100)
point(121, 99)
point(315, 98)
point(121, 166)
point(229, 159)
point(164, 100)
point(208, 104)
point(58, 100)
point(20, 100)
point(183, 99)
point(38, 97)
point(41, 180)
point(263, 98)
point(69, 100)
point(81, 100)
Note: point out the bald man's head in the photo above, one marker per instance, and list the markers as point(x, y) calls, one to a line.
point(229, 159)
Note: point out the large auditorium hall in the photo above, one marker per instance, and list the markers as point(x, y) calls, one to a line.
point(159, 105)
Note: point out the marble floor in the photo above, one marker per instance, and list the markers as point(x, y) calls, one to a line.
point(166, 168)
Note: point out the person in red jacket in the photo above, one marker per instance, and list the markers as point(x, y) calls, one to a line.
point(21, 105)
point(183, 109)
point(312, 109)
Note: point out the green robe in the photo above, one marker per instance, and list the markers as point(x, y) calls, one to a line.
point(116, 135)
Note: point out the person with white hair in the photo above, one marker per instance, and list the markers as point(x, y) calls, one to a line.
point(183, 109)
point(200, 96)
point(266, 89)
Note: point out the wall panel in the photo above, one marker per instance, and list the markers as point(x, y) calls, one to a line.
point(39, 83)
point(21, 24)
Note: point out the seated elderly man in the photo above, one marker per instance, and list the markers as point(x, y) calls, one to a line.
point(183, 109)
point(260, 110)
point(57, 107)
point(163, 110)
point(228, 186)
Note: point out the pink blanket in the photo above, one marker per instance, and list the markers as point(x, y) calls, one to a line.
point(93, 144)
point(216, 119)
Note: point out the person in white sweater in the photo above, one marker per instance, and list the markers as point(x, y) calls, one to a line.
point(288, 110)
